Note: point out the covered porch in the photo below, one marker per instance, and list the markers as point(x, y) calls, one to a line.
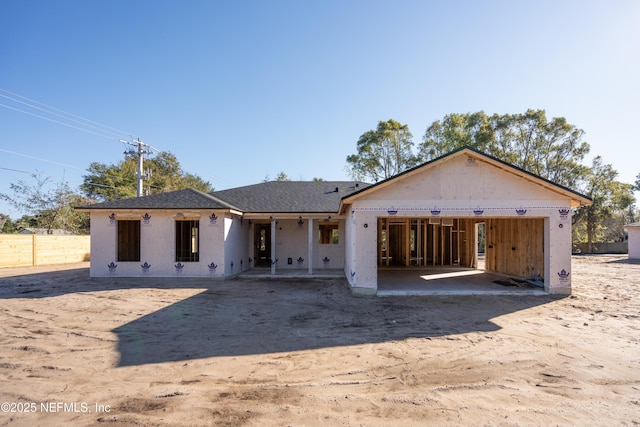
point(290, 245)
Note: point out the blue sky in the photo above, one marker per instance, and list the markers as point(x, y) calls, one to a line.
point(245, 89)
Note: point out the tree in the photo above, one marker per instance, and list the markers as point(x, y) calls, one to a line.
point(455, 131)
point(118, 181)
point(610, 198)
point(636, 186)
point(383, 152)
point(550, 149)
point(280, 177)
point(8, 227)
point(51, 205)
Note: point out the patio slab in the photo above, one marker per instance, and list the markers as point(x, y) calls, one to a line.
point(292, 273)
point(449, 281)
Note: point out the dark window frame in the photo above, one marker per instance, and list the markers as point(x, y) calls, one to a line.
point(329, 233)
point(187, 240)
point(128, 240)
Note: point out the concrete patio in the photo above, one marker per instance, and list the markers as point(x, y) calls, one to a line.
point(449, 281)
point(292, 273)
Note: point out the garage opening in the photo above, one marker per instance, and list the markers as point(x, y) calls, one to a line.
point(434, 247)
point(427, 242)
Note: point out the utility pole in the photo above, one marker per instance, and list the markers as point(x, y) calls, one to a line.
point(142, 149)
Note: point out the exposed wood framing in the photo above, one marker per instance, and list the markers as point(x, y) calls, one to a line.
point(515, 246)
point(404, 242)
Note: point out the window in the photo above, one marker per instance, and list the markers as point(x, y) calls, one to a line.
point(128, 240)
point(187, 241)
point(328, 234)
point(263, 239)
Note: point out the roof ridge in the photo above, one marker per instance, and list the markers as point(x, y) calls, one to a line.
point(217, 199)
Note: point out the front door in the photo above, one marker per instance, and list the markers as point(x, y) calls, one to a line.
point(262, 243)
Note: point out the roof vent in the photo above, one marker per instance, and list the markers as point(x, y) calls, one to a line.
point(336, 189)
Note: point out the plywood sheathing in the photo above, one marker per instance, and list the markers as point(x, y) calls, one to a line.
point(515, 246)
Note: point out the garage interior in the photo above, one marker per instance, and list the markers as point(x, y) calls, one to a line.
point(442, 253)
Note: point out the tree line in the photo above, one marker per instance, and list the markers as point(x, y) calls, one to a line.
point(550, 148)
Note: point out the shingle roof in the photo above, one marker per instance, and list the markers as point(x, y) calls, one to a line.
point(274, 196)
point(180, 199)
point(290, 196)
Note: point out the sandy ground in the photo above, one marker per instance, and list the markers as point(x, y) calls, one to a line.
point(251, 352)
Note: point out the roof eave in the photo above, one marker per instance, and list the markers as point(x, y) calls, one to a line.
point(291, 215)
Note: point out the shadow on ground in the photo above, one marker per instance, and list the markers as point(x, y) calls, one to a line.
point(259, 316)
point(245, 317)
point(62, 282)
point(625, 261)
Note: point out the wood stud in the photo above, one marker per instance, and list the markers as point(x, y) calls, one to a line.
point(514, 246)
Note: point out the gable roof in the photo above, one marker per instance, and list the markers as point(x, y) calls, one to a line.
point(577, 199)
point(290, 196)
point(179, 199)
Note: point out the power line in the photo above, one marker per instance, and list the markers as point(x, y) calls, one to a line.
point(85, 125)
point(76, 118)
point(101, 185)
point(41, 159)
point(55, 121)
point(56, 115)
point(62, 178)
point(82, 124)
point(16, 170)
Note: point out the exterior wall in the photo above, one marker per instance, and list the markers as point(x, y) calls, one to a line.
point(461, 188)
point(157, 246)
point(212, 250)
point(236, 251)
point(634, 242)
point(557, 248)
point(103, 244)
point(329, 255)
point(361, 269)
point(225, 245)
point(461, 185)
point(291, 243)
point(349, 250)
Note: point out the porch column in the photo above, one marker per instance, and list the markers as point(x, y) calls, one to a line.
point(310, 244)
point(273, 246)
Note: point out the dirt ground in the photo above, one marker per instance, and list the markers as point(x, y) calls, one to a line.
point(74, 351)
